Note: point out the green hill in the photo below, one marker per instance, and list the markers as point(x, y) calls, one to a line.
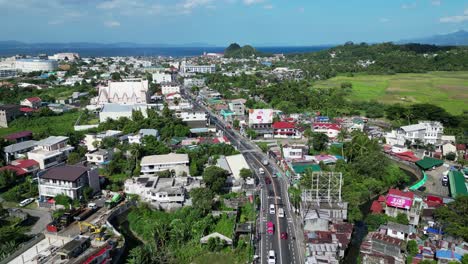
point(236, 51)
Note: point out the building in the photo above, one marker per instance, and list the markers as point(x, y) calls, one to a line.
point(19, 136)
point(194, 119)
point(381, 248)
point(8, 113)
point(22, 167)
point(396, 230)
point(260, 120)
point(283, 129)
point(329, 129)
point(162, 77)
point(399, 202)
point(158, 190)
point(129, 91)
point(93, 141)
point(293, 152)
point(233, 165)
point(65, 56)
point(425, 132)
point(237, 107)
point(99, 157)
point(51, 151)
point(32, 65)
point(138, 137)
point(68, 180)
point(32, 102)
point(18, 150)
point(6, 73)
point(191, 82)
point(189, 68)
point(116, 111)
point(169, 87)
point(150, 165)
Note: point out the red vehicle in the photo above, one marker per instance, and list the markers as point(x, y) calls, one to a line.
point(270, 228)
point(284, 235)
point(267, 180)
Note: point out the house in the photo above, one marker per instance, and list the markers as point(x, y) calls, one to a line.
point(51, 151)
point(173, 96)
point(129, 91)
point(172, 161)
point(293, 152)
point(162, 77)
point(194, 119)
point(237, 107)
point(261, 120)
point(67, 180)
point(425, 132)
point(22, 167)
point(382, 247)
point(99, 157)
point(137, 137)
point(19, 136)
point(233, 164)
point(8, 113)
point(32, 102)
point(399, 202)
point(165, 192)
point(329, 245)
point(225, 239)
point(93, 141)
point(449, 148)
point(329, 129)
point(283, 129)
point(18, 150)
point(396, 230)
point(169, 87)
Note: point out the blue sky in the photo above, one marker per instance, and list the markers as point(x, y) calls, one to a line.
point(220, 22)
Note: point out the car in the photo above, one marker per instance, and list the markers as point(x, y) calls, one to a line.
point(445, 180)
point(26, 202)
point(261, 171)
point(267, 180)
point(270, 228)
point(271, 257)
point(265, 162)
point(280, 212)
point(272, 209)
point(284, 235)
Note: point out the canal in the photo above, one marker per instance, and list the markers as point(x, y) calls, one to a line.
point(360, 228)
point(122, 225)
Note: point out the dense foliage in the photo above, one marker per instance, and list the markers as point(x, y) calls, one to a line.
point(454, 217)
point(236, 51)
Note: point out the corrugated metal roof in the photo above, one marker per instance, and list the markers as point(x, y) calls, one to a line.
point(457, 184)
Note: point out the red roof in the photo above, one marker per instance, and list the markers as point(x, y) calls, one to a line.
point(34, 99)
point(376, 207)
point(17, 170)
point(397, 192)
point(319, 125)
point(283, 125)
point(408, 156)
point(28, 109)
point(25, 163)
point(17, 135)
point(381, 199)
point(171, 94)
point(461, 147)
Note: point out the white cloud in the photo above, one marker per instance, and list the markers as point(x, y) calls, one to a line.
point(408, 6)
point(268, 6)
point(436, 2)
point(455, 19)
point(384, 20)
point(253, 2)
point(112, 23)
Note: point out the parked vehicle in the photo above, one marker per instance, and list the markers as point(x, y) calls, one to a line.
point(284, 235)
point(116, 199)
point(271, 257)
point(85, 213)
point(280, 212)
point(26, 202)
point(267, 180)
point(270, 228)
point(261, 171)
point(445, 180)
point(265, 162)
point(272, 209)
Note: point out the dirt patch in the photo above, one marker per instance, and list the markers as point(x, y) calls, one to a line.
point(396, 89)
point(455, 92)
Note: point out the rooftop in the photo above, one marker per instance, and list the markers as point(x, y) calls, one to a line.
point(51, 140)
point(65, 173)
point(17, 135)
point(163, 159)
point(19, 146)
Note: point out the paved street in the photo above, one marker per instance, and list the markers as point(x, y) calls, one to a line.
point(44, 217)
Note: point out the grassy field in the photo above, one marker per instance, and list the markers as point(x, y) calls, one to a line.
point(445, 89)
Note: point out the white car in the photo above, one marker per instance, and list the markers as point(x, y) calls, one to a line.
point(272, 209)
point(26, 202)
point(271, 257)
point(280, 212)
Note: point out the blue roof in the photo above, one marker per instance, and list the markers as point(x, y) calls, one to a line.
point(448, 254)
point(434, 230)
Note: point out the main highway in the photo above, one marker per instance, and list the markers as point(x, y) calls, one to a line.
point(275, 192)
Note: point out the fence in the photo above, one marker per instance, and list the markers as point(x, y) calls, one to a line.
point(25, 246)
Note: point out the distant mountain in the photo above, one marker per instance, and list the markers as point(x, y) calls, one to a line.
point(458, 38)
point(236, 51)
point(12, 44)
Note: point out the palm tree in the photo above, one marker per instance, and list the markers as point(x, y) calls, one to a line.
point(295, 196)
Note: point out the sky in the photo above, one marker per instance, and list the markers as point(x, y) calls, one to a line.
point(220, 22)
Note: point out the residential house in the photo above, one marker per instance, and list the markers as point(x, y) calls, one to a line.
point(449, 148)
point(68, 180)
point(396, 230)
point(93, 141)
point(32, 102)
point(8, 113)
point(237, 106)
point(18, 150)
point(193, 119)
point(150, 165)
point(129, 91)
point(283, 129)
point(162, 77)
point(19, 136)
point(329, 129)
point(399, 202)
point(425, 132)
point(386, 249)
point(226, 240)
point(169, 87)
point(22, 167)
point(293, 152)
point(138, 137)
point(328, 246)
point(99, 157)
point(51, 151)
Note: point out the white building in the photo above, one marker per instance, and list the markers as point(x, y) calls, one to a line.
point(162, 77)
point(293, 152)
point(32, 65)
point(428, 132)
point(233, 164)
point(169, 87)
point(189, 68)
point(138, 137)
point(7, 72)
point(449, 148)
point(93, 141)
point(172, 161)
point(68, 180)
point(190, 82)
point(51, 151)
point(157, 190)
point(99, 157)
point(66, 56)
point(237, 107)
point(129, 91)
point(192, 116)
point(331, 130)
point(116, 111)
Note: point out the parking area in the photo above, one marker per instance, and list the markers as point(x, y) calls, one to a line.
point(434, 182)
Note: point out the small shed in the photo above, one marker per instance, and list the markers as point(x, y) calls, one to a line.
point(428, 163)
point(227, 240)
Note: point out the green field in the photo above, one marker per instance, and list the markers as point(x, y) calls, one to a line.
point(445, 89)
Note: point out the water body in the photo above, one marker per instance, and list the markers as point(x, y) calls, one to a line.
point(360, 228)
point(159, 51)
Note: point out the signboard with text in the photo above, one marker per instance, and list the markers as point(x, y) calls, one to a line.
point(399, 202)
point(260, 116)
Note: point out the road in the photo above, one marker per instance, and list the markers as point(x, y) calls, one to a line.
point(286, 250)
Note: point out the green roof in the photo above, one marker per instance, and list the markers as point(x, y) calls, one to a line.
point(457, 184)
point(428, 163)
point(301, 168)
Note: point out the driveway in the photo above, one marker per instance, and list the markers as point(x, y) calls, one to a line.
point(434, 182)
point(44, 217)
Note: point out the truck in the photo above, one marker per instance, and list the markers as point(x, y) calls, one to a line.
point(62, 222)
point(85, 213)
point(116, 199)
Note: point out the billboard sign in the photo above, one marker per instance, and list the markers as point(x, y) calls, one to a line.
point(260, 116)
point(399, 202)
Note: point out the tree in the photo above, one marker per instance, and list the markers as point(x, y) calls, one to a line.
point(245, 173)
point(152, 146)
point(319, 141)
point(7, 178)
point(215, 178)
point(115, 76)
point(251, 133)
point(236, 123)
point(451, 156)
point(73, 158)
point(412, 247)
point(63, 199)
point(402, 219)
point(202, 199)
point(87, 193)
point(295, 196)
point(454, 217)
